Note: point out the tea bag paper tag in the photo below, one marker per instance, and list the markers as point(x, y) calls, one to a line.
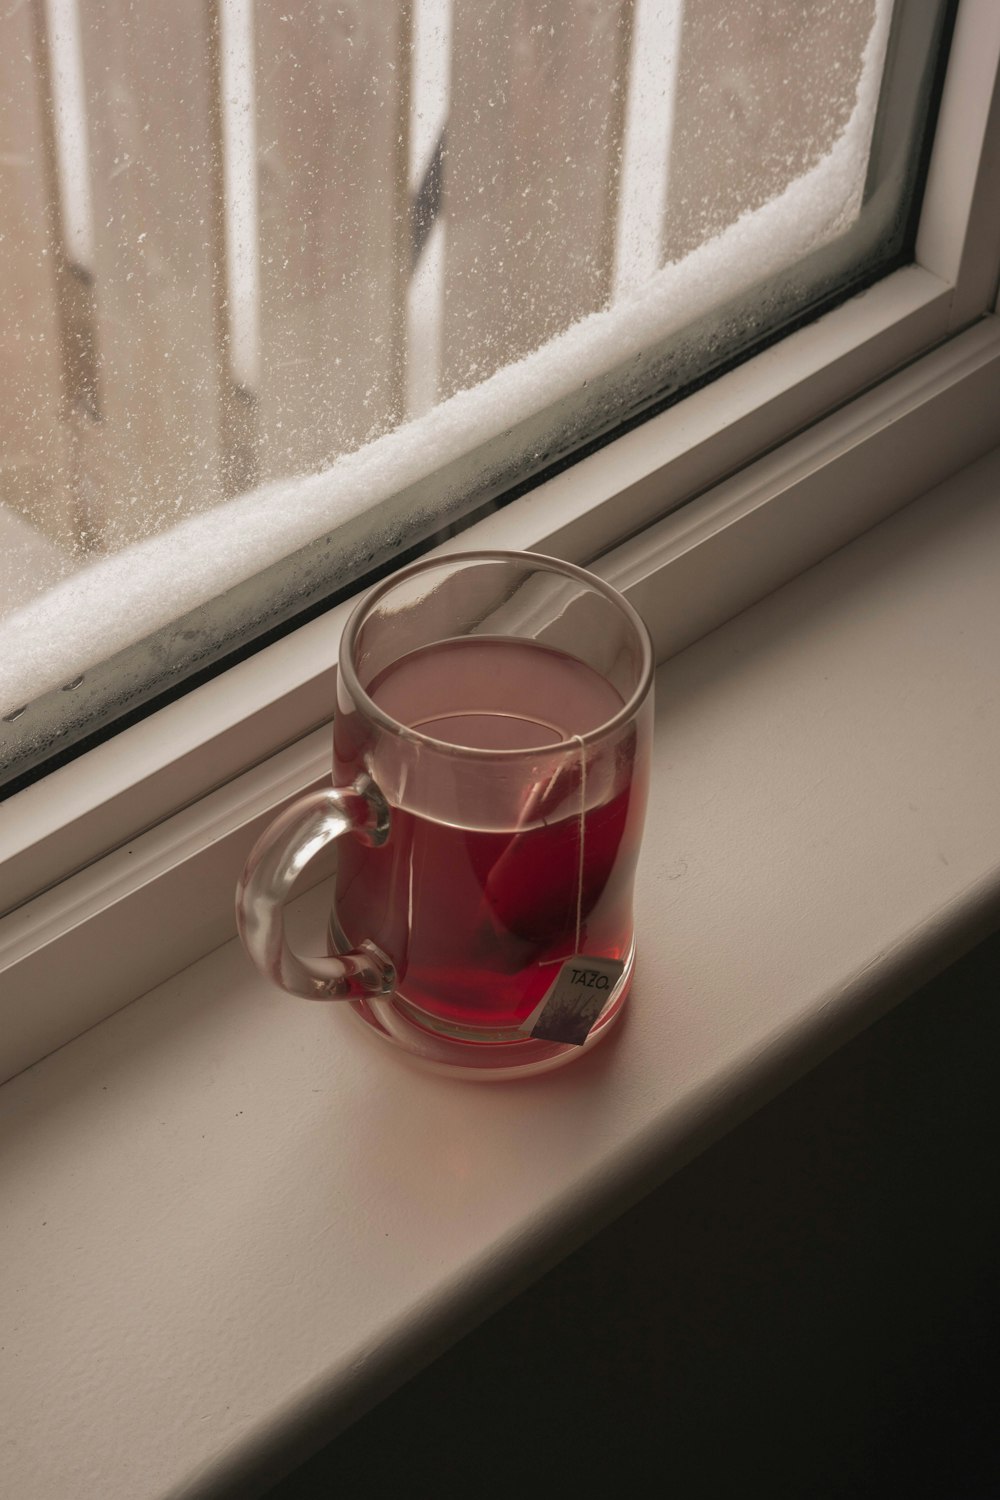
point(571, 1005)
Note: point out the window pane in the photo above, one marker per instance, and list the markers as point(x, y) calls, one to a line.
point(291, 288)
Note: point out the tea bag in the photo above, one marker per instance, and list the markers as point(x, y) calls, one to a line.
point(533, 889)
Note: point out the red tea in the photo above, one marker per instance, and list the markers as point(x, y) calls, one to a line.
point(476, 913)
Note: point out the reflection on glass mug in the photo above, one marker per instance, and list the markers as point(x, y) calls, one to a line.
point(490, 768)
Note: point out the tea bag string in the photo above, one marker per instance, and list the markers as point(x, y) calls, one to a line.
point(579, 866)
point(577, 739)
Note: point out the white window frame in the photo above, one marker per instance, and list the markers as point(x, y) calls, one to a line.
point(117, 869)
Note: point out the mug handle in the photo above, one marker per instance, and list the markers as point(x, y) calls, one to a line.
point(280, 854)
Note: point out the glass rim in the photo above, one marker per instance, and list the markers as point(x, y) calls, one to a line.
point(541, 562)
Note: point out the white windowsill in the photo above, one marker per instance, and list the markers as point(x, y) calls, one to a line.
point(231, 1216)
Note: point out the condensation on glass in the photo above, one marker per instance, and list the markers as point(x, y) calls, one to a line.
point(287, 288)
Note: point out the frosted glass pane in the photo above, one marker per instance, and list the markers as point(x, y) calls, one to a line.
point(291, 287)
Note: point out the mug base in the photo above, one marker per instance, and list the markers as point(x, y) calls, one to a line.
point(499, 1055)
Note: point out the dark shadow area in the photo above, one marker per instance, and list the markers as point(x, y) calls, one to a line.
point(811, 1309)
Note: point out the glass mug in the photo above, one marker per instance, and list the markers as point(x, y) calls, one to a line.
point(490, 770)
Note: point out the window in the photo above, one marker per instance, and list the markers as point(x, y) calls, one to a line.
point(783, 457)
point(299, 287)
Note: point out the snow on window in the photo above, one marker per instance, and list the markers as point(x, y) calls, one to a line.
point(315, 260)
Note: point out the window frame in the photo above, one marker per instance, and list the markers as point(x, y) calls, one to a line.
point(159, 817)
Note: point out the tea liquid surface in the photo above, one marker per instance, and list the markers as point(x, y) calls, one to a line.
point(476, 918)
